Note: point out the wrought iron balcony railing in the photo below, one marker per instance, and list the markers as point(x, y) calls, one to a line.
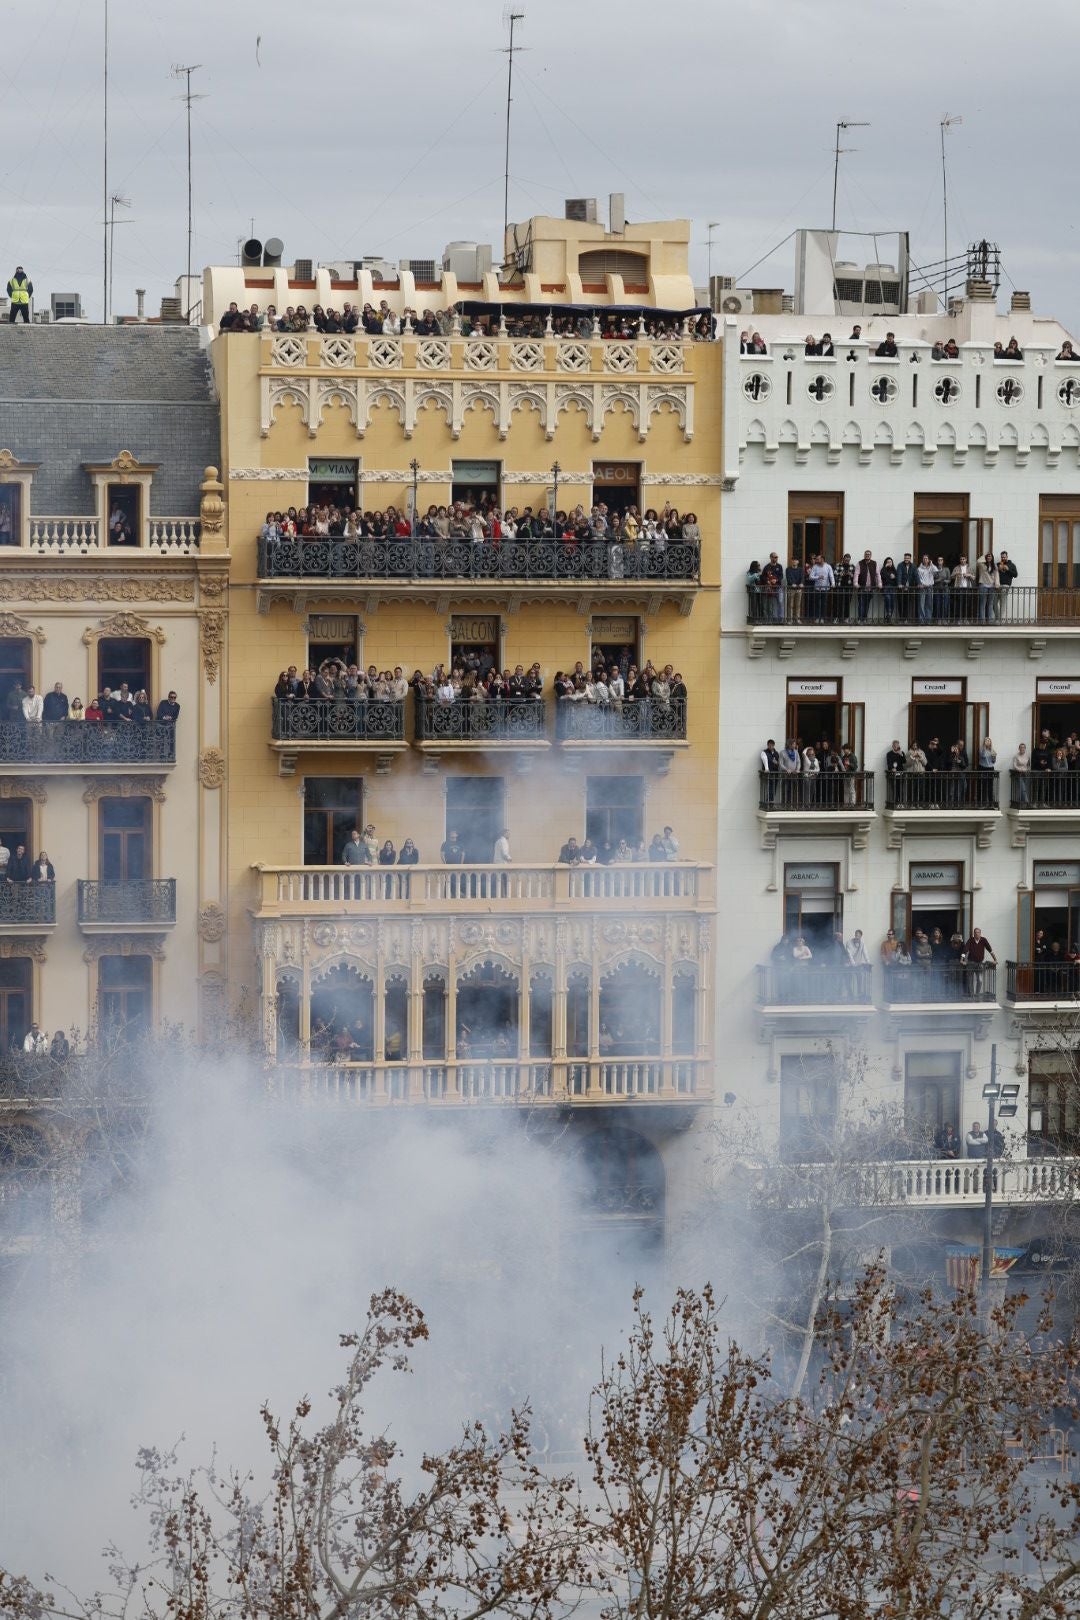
point(1049, 979)
point(941, 981)
point(941, 790)
point(944, 608)
point(135, 900)
point(644, 721)
point(420, 559)
point(83, 742)
point(828, 790)
point(479, 722)
point(804, 984)
point(328, 721)
point(1044, 790)
point(23, 904)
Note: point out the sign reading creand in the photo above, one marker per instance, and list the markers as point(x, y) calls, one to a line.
point(937, 688)
point(1052, 688)
point(813, 688)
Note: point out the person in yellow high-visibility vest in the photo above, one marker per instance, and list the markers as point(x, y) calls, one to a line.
point(20, 290)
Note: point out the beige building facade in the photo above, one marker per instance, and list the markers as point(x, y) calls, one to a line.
point(114, 569)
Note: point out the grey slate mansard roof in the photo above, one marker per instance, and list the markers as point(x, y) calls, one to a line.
point(70, 394)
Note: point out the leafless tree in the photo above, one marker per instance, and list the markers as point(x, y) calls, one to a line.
point(902, 1487)
point(339, 1534)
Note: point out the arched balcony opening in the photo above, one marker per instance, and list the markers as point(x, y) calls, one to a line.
point(578, 1014)
point(487, 1013)
point(343, 1016)
point(541, 1008)
point(434, 1018)
point(287, 1016)
point(630, 1012)
point(684, 1014)
point(396, 1019)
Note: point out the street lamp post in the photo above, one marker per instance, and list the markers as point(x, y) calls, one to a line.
point(1001, 1103)
point(414, 468)
point(555, 471)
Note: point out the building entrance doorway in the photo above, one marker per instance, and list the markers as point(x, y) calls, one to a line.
point(617, 484)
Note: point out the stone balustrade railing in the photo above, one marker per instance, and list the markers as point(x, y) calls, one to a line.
point(525, 1082)
point(339, 352)
point(81, 536)
point(337, 890)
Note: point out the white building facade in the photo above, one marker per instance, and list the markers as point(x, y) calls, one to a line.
point(900, 456)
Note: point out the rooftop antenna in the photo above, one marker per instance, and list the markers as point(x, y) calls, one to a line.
point(105, 178)
point(946, 123)
point(714, 224)
point(843, 123)
point(115, 202)
point(181, 72)
point(511, 17)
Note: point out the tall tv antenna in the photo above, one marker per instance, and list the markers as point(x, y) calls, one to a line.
point(105, 178)
point(115, 202)
point(181, 72)
point(511, 17)
point(946, 123)
point(843, 123)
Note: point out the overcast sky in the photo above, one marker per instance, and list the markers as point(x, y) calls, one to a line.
point(349, 128)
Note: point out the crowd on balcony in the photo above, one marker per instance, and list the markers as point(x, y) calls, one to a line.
point(365, 848)
point(16, 866)
point(482, 522)
point(474, 678)
point(929, 592)
point(809, 776)
point(117, 707)
point(336, 681)
point(1055, 965)
point(585, 323)
point(610, 684)
point(932, 967)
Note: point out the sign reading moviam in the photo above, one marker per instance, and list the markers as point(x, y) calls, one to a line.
point(327, 470)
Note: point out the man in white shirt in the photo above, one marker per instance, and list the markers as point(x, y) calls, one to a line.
point(925, 575)
point(35, 1041)
point(33, 705)
point(671, 844)
point(857, 950)
point(445, 691)
point(501, 855)
point(821, 581)
point(616, 688)
point(399, 686)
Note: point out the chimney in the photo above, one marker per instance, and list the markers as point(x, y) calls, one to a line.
point(140, 303)
point(1020, 300)
point(979, 291)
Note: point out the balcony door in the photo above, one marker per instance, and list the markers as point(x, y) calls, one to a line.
point(816, 714)
point(126, 833)
point(16, 980)
point(16, 669)
point(935, 898)
point(124, 659)
point(931, 1094)
point(333, 806)
point(815, 525)
point(124, 995)
point(476, 811)
point(1056, 709)
point(939, 708)
point(1059, 557)
point(813, 903)
point(1050, 915)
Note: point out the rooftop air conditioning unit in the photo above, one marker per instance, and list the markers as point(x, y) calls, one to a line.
point(847, 282)
point(420, 269)
point(739, 301)
point(582, 209)
point(304, 270)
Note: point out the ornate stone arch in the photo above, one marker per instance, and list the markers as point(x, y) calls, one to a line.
point(282, 391)
point(486, 397)
point(335, 389)
point(521, 396)
point(567, 394)
point(675, 398)
point(436, 396)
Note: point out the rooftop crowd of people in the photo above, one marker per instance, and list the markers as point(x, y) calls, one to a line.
point(586, 323)
point(931, 591)
point(752, 342)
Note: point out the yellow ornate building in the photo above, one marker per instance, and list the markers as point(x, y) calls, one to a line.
point(533, 984)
